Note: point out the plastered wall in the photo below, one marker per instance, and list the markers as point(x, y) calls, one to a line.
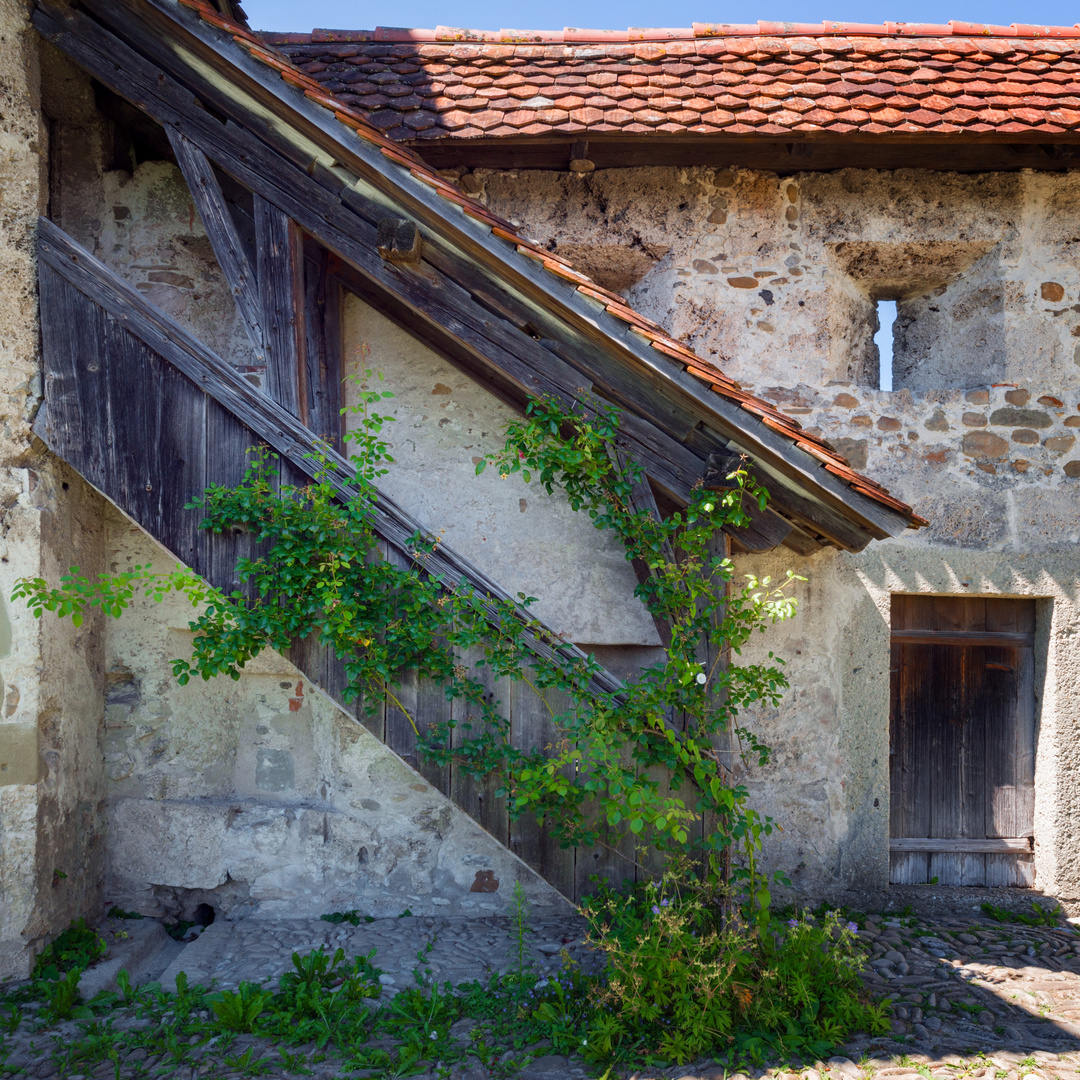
point(776, 280)
point(523, 538)
point(262, 797)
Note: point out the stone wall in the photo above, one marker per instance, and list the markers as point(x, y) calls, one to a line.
point(776, 280)
point(51, 826)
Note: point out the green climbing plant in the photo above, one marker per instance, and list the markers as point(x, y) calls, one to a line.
point(318, 575)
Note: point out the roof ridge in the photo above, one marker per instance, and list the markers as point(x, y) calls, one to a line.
point(659, 339)
point(573, 35)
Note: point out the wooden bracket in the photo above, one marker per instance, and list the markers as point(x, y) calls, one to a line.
point(399, 240)
point(579, 158)
point(718, 467)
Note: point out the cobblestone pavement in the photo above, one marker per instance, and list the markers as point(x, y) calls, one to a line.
point(973, 1000)
point(464, 949)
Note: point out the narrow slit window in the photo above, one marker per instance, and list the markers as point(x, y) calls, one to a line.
point(883, 339)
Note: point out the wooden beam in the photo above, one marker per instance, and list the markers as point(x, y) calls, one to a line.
point(268, 420)
point(961, 637)
point(324, 361)
point(982, 152)
point(962, 844)
point(224, 239)
point(311, 137)
point(279, 248)
point(642, 499)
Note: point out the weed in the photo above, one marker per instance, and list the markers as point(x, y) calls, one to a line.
point(119, 913)
point(247, 1063)
point(239, 1011)
point(1039, 916)
point(352, 917)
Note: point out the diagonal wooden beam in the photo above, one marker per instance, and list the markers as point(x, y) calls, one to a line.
point(270, 422)
point(218, 222)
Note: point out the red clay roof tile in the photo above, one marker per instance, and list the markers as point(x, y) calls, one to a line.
point(762, 77)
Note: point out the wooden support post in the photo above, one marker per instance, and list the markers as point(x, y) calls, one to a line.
point(280, 259)
point(324, 362)
point(218, 222)
point(642, 498)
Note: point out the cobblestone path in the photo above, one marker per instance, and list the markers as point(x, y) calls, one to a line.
point(973, 1000)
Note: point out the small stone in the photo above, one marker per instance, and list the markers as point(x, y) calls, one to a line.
point(985, 445)
point(1029, 418)
point(844, 1065)
point(933, 1023)
point(921, 1032)
point(1052, 291)
point(974, 419)
point(1060, 444)
point(1017, 397)
point(937, 422)
point(742, 282)
point(977, 397)
point(1072, 421)
point(1051, 402)
point(1025, 436)
point(889, 423)
point(1072, 469)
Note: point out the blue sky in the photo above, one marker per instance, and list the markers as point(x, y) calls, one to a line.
point(609, 14)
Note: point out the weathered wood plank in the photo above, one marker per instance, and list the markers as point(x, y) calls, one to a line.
point(229, 249)
point(909, 868)
point(476, 795)
point(264, 417)
point(323, 350)
point(280, 260)
point(533, 728)
point(960, 845)
point(960, 637)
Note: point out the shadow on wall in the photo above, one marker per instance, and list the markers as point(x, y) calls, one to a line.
point(951, 306)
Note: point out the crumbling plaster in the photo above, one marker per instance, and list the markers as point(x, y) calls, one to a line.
point(262, 797)
point(775, 279)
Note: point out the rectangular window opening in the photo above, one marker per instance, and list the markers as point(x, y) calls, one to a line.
point(883, 339)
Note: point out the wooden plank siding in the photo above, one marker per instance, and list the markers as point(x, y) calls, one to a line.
point(152, 425)
point(962, 740)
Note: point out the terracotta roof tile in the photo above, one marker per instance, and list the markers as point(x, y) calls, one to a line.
point(760, 77)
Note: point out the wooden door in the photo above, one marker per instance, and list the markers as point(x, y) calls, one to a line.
point(962, 741)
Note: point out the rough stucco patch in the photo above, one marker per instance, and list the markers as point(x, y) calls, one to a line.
point(526, 540)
